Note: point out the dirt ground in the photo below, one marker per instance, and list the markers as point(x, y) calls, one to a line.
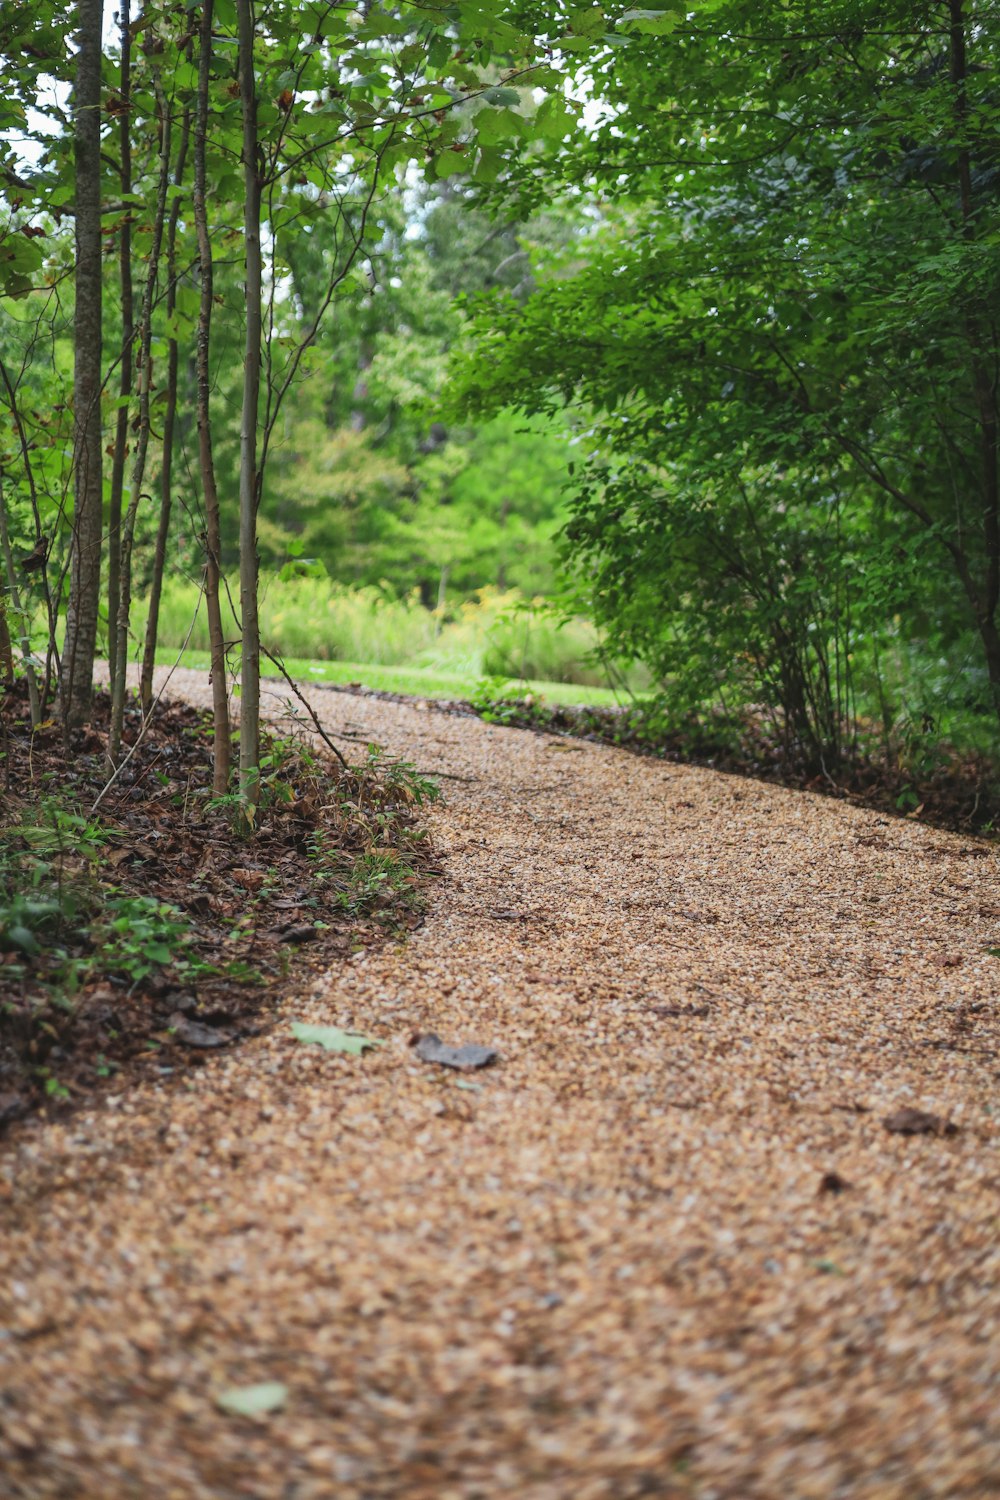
point(665, 1246)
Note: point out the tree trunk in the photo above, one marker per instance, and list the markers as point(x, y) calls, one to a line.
point(983, 354)
point(142, 435)
point(128, 331)
point(213, 531)
point(250, 665)
point(22, 619)
point(76, 677)
point(51, 613)
point(169, 417)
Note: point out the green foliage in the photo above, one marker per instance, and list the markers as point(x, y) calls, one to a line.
point(139, 933)
point(781, 337)
point(48, 884)
point(52, 897)
point(313, 618)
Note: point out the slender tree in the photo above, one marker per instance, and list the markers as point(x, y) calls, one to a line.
point(124, 108)
point(142, 432)
point(76, 684)
point(206, 463)
point(250, 663)
point(169, 421)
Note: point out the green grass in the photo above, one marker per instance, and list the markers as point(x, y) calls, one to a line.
point(492, 634)
point(418, 682)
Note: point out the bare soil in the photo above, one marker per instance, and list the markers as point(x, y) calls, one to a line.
point(721, 1221)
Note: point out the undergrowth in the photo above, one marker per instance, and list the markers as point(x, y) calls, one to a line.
point(110, 920)
point(912, 773)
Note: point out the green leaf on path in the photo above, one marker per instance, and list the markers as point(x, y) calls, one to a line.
point(332, 1039)
point(253, 1400)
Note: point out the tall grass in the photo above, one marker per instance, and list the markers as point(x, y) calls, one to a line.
point(493, 634)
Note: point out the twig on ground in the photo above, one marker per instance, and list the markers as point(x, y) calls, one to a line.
point(307, 706)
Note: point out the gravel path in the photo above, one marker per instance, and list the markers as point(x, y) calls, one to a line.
point(666, 1247)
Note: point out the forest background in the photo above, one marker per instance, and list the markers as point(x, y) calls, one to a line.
point(612, 346)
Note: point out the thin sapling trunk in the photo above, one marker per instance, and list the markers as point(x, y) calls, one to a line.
point(169, 419)
point(77, 674)
point(213, 531)
point(142, 435)
point(128, 333)
point(250, 664)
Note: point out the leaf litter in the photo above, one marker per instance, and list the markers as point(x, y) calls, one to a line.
point(231, 921)
point(567, 1284)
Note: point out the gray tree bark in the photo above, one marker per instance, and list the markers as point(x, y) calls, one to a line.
point(76, 680)
point(250, 674)
point(210, 493)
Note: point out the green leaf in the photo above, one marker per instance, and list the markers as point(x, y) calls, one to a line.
point(253, 1400)
point(495, 125)
point(451, 163)
point(502, 97)
point(588, 21)
point(439, 52)
point(487, 166)
point(332, 1039)
point(554, 120)
point(22, 938)
point(650, 22)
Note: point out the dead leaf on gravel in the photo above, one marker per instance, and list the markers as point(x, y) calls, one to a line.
point(194, 1034)
point(253, 1400)
point(918, 1122)
point(431, 1049)
point(332, 1039)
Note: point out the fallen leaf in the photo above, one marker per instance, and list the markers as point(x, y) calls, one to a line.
point(431, 1049)
point(303, 934)
point(253, 1400)
point(194, 1034)
point(332, 1039)
point(918, 1122)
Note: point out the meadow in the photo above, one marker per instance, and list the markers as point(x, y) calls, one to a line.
point(327, 632)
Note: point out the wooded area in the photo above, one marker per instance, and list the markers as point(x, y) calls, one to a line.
point(739, 268)
point(539, 383)
point(680, 329)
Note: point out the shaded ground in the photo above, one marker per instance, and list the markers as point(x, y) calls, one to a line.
point(665, 1247)
point(137, 938)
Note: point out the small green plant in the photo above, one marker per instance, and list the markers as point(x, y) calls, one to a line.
point(140, 933)
point(386, 780)
point(47, 875)
point(374, 875)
